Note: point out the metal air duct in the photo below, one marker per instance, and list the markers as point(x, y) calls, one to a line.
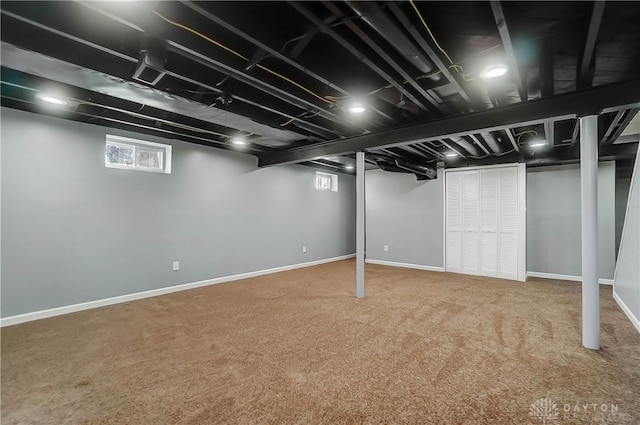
point(376, 18)
point(493, 144)
point(466, 145)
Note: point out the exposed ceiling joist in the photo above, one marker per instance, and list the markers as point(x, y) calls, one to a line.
point(309, 126)
point(619, 128)
point(252, 53)
point(130, 125)
point(413, 151)
point(431, 53)
point(569, 156)
point(547, 78)
point(479, 143)
point(237, 74)
point(307, 13)
point(434, 153)
point(586, 64)
point(566, 106)
point(77, 76)
point(271, 51)
point(454, 149)
point(549, 132)
point(380, 52)
point(613, 126)
point(512, 139)
point(433, 100)
point(507, 42)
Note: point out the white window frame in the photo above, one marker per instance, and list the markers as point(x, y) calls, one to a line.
point(334, 181)
point(136, 143)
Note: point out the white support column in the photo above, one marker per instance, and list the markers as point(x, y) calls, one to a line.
point(360, 228)
point(589, 206)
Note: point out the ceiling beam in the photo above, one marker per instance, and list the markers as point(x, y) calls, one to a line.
point(428, 150)
point(46, 67)
point(257, 83)
point(304, 11)
point(455, 149)
point(134, 126)
point(479, 143)
point(565, 106)
point(236, 74)
point(431, 53)
point(512, 139)
point(567, 156)
point(612, 127)
point(560, 156)
point(549, 132)
point(416, 152)
point(271, 51)
point(317, 129)
point(546, 59)
point(586, 63)
point(507, 42)
point(613, 133)
point(384, 55)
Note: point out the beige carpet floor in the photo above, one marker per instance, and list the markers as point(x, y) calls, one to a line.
point(298, 348)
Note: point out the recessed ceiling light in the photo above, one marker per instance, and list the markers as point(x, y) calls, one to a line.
point(451, 154)
point(538, 143)
point(238, 141)
point(356, 108)
point(495, 72)
point(52, 99)
point(348, 167)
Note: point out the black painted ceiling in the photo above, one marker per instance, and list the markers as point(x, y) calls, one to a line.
point(282, 74)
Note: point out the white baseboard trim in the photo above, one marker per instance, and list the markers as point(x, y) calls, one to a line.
point(405, 265)
point(43, 314)
point(565, 277)
point(627, 311)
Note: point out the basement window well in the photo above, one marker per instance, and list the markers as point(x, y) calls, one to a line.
point(326, 181)
point(139, 155)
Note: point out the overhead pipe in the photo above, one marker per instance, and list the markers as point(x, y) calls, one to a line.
point(234, 73)
point(63, 72)
point(493, 144)
point(273, 52)
point(328, 30)
point(427, 172)
point(396, 165)
point(466, 145)
point(376, 18)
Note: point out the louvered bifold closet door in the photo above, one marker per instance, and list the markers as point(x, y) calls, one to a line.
point(489, 222)
point(483, 221)
point(508, 224)
point(471, 222)
point(454, 222)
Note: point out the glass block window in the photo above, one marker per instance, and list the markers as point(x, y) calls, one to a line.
point(132, 154)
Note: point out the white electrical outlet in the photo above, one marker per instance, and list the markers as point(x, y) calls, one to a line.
point(386, 248)
point(304, 249)
point(176, 266)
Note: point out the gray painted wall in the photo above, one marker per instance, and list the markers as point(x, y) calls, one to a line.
point(75, 231)
point(406, 215)
point(627, 280)
point(553, 220)
point(622, 194)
